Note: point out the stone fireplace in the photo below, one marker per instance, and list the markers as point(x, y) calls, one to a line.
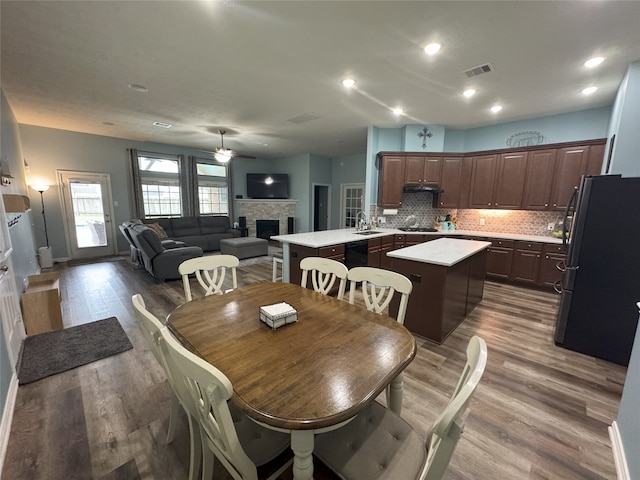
point(274, 210)
point(266, 228)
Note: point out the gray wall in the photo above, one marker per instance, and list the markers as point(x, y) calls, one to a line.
point(625, 121)
point(347, 169)
point(23, 258)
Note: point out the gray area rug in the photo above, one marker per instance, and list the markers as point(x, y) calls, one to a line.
point(48, 353)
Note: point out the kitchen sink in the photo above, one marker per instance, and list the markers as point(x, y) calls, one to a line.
point(367, 232)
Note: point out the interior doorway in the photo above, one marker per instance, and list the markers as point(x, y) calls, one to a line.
point(321, 207)
point(86, 199)
point(351, 201)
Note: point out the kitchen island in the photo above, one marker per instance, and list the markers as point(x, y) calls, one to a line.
point(448, 282)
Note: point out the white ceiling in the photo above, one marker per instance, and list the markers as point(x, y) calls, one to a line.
point(251, 67)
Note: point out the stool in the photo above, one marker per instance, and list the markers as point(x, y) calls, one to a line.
point(277, 259)
point(244, 247)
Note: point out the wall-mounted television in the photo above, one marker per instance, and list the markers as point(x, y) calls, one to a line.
point(267, 185)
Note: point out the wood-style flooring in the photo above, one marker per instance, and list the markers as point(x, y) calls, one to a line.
point(540, 412)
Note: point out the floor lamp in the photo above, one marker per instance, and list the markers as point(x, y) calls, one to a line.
point(46, 256)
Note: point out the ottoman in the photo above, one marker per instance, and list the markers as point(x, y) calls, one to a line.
point(244, 247)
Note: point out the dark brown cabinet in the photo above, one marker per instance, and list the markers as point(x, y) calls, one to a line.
point(483, 175)
point(571, 164)
point(510, 179)
point(500, 259)
point(450, 181)
point(423, 170)
point(390, 180)
point(378, 248)
point(537, 188)
point(298, 252)
point(526, 262)
point(551, 263)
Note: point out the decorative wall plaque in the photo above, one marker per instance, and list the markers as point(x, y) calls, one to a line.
point(525, 139)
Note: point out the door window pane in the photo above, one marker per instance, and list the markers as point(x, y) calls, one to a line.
point(88, 214)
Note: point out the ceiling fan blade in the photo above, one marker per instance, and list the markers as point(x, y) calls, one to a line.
point(237, 155)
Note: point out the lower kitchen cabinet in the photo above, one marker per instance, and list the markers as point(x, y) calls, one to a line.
point(500, 259)
point(378, 248)
point(551, 263)
point(526, 262)
point(298, 252)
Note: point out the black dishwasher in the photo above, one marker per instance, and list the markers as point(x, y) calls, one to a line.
point(356, 253)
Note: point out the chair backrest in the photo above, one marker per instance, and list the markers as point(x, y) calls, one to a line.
point(210, 272)
point(324, 272)
point(446, 431)
point(204, 391)
point(378, 288)
point(150, 326)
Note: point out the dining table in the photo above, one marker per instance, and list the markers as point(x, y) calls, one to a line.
point(305, 377)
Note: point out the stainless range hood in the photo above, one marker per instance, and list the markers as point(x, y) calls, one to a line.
point(432, 187)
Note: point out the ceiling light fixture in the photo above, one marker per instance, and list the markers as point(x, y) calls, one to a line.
point(138, 88)
point(432, 48)
point(349, 82)
point(469, 92)
point(496, 108)
point(589, 90)
point(594, 62)
point(222, 157)
point(397, 111)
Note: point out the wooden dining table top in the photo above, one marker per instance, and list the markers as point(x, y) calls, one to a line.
point(316, 372)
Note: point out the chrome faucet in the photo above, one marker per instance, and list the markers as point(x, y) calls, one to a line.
point(361, 221)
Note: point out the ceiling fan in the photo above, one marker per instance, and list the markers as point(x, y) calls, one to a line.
point(223, 154)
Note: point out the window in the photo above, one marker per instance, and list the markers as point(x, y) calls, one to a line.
point(170, 186)
point(213, 192)
point(160, 185)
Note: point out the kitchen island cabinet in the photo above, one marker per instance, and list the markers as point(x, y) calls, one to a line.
point(448, 281)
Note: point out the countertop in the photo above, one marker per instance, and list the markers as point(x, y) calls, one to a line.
point(346, 235)
point(443, 251)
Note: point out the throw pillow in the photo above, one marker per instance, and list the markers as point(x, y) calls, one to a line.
point(158, 229)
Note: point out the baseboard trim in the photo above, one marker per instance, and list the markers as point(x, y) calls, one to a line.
point(7, 418)
point(622, 469)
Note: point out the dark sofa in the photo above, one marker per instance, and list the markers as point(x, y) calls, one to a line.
point(204, 232)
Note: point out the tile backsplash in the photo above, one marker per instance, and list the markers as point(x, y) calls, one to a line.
point(418, 205)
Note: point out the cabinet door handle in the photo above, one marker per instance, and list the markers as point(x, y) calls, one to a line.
point(4, 268)
point(557, 287)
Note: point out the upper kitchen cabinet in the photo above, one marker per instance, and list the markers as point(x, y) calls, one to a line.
point(510, 180)
point(391, 173)
point(483, 176)
point(423, 170)
point(571, 164)
point(497, 181)
point(537, 188)
point(451, 183)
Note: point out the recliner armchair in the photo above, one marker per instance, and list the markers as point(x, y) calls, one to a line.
point(162, 263)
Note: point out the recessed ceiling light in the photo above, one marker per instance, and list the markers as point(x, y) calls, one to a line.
point(349, 82)
point(496, 108)
point(589, 90)
point(397, 111)
point(162, 125)
point(594, 62)
point(432, 48)
point(138, 88)
point(469, 92)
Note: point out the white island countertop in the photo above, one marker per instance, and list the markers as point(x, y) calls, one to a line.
point(443, 251)
point(345, 235)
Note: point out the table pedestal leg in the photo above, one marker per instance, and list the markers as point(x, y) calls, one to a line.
point(302, 446)
point(394, 394)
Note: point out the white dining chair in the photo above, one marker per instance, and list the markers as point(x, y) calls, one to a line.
point(226, 433)
point(210, 272)
point(324, 273)
point(378, 288)
point(382, 445)
point(151, 327)
point(277, 260)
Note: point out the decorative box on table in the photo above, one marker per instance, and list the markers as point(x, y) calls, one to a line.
point(278, 314)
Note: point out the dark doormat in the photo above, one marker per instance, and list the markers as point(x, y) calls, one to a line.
point(48, 353)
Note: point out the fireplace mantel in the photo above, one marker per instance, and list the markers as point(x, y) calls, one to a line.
point(266, 209)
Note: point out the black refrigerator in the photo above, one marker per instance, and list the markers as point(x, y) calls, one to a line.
point(598, 315)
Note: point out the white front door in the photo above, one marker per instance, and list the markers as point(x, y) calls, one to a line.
point(87, 208)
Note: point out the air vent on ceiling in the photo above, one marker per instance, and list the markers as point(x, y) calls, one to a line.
point(304, 117)
point(479, 70)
